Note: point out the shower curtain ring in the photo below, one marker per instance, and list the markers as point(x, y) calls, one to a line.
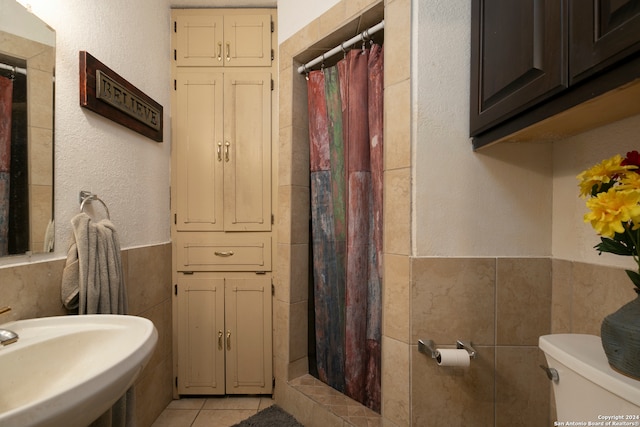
point(344, 51)
point(322, 64)
point(365, 37)
point(306, 72)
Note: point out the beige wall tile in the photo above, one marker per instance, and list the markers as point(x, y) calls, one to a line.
point(447, 396)
point(285, 153)
point(597, 292)
point(333, 17)
point(396, 392)
point(561, 305)
point(453, 298)
point(397, 126)
point(397, 211)
point(300, 154)
point(148, 277)
point(300, 204)
point(32, 290)
point(281, 338)
point(298, 330)
point(153, 393)
point(522, 389)
point(396, 297)
point(300, 266)
point(397, 40)
point(523, 300)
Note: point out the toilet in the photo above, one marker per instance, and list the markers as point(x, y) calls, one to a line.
point(587, 389)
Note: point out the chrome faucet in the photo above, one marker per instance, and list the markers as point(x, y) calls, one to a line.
point(6, 336)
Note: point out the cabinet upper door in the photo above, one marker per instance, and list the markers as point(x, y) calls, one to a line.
point(201, 335)
point(199, 150)
point(602, 33)
point(247, 40)
point(230, 38)
point(249, 342)
point(247, 151)
point(199, 37)
point(518, 57)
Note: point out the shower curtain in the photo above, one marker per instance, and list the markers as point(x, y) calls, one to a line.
point(6, 105)
point(345, 133)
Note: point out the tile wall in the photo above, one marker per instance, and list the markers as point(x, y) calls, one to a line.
point(502, 305)
point(33, 290)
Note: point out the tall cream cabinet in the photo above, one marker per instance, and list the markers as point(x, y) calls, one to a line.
point(222, 195)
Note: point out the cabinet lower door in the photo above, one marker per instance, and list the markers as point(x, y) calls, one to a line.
point(201, 340)
point(249, 347)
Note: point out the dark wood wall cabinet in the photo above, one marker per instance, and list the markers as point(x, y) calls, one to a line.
point(543, 69)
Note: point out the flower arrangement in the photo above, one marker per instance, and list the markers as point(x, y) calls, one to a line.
point(612, 190)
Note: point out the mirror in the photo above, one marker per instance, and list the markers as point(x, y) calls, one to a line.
point(27, 64)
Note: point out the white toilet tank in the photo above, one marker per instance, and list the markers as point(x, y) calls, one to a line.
point(589, 391)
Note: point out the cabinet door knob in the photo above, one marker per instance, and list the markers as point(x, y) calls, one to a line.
point(220, 340)
point(228, 339)
point(227, 144)
point(219, 151)
point(219, 51)
point(228, 52)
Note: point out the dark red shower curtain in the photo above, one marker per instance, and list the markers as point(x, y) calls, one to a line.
point(345, 125)
point(6, 105)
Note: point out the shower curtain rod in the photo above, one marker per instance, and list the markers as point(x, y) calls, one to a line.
point(13, 69)
point(341, 47)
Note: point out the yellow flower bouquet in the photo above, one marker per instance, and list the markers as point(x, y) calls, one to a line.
point(612, 190)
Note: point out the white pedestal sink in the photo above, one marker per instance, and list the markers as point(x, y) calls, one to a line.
point(68, 370)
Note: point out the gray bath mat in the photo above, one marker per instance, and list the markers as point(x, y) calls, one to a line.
point(271, 416)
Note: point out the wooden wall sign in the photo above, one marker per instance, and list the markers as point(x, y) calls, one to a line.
point(104, 92)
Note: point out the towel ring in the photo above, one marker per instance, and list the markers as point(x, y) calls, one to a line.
point(86, 196)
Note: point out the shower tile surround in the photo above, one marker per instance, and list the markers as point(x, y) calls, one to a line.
point(33, 290)
point(501, 304)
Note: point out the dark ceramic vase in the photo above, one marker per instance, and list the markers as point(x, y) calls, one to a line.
point(620, 335)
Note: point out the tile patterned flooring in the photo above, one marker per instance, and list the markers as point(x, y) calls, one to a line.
point(210, 411)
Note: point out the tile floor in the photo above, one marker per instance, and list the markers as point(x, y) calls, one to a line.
point(211, 411)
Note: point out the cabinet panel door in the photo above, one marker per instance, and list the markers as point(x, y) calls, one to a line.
point(199, 151)
point(602, 33)
point(247, 40)
point(518, 57)
point(249, 346)
point(247, 157)
point(201, 354)
point(199, 38)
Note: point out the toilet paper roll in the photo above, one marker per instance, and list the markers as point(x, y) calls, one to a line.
point(453, 357)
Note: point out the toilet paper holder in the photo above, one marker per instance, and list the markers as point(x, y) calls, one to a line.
point(428, 347)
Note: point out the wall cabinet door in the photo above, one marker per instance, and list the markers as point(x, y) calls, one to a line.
point(602, 33)
point(249, 345)
point(199, 151)
point(201, 364)
point(518, 57)
point(223, 150)
point(224, 335)
point(211, 38)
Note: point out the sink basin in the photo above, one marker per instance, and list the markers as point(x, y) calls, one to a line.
point(68, 370)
